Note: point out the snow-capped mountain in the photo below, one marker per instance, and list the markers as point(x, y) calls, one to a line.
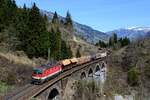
point(133, 33)
point(145, 29)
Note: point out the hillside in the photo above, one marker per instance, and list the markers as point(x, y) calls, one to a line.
point(77, 42)
point(129, 70)
point(74, 38)
point(15, 71)
point(83, 31)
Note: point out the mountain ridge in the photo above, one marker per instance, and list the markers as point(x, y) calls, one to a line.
point(134, 33)
point(85, 32)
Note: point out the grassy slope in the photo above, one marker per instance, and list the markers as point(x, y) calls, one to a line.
point(76, 42)
point(136, 56)
point(17, 59)
point(15, 70)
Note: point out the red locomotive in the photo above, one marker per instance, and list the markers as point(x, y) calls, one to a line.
point(46, 72)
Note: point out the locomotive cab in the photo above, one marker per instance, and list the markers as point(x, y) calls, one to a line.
point(37, 76)
point(37, 71)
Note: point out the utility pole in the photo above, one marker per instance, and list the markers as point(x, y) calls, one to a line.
point(49, 54)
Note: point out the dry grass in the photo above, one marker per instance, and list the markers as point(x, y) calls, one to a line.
point(17, 59)
point(76, 42)
point(15, 70)
point(85, 48)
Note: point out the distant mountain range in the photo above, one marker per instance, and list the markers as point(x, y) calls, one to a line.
point(92, 36)
point(133, 33)
point(84, 31)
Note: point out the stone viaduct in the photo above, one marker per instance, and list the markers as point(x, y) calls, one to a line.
point(56, 91)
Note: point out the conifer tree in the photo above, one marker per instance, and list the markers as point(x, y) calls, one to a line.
point(69, 52)
point(68, 19)
point(46, 20)
point(78, 53)
point(69, 22)
point(115, 38)
point(14, 6)
point(55, 44)
point(37, 28)
point(55, 19)
point(101, 44)
point(2, 13)
point(110, 41)
point(58, 43)
point(65, 50)
point(12, 10)
point(8, 10)
point(52, 43)
point(64, 53)
point(22, 27)
point(125, 41)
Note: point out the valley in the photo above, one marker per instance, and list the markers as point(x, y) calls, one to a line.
point(46, 53)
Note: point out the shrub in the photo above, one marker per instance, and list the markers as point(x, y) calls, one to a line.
point(147, 72)
point(4, 87)
point(11, 78)
point(86, 90)
point(133, 77)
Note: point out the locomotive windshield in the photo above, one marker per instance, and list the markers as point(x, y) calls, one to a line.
point(37, 71)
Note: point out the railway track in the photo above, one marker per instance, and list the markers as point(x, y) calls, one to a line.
point(29, 91)
point(20, 91)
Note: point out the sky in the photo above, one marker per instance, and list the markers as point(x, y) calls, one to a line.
point(102, 15)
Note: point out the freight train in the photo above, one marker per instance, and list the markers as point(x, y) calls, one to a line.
point(48, 71)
